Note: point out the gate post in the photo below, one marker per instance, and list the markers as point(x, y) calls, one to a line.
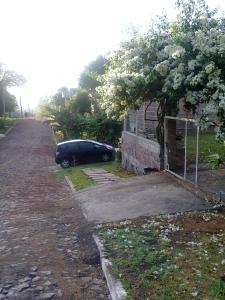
point(165, 144)
point(185, 151)
point(196, 159)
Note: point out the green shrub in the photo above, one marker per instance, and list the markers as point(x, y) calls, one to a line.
point(218, 290)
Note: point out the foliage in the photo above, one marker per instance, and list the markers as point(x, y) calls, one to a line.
point(89, 80)
point(43, 107)
point(10, 102)
point(6, 123)
point(81, 102)
point(208, 147)
point(80, 116)
point(59, 135)
point(61, 96)
point(104, 129)
point(97, 126)
point(218, 290)
point(215, 160)
point(173, 60)
point(8, 78)
point(73, 125)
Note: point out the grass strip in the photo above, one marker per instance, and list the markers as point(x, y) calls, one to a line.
point(81, 180)
point(174, 257)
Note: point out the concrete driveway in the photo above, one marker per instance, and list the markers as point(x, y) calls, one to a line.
point(146, 195)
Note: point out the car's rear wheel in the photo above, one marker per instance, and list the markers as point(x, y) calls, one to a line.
point(105, 157)
point(65, 163)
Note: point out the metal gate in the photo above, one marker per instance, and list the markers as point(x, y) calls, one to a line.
point(181, 147)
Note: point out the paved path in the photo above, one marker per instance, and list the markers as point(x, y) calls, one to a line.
point(46, 248)
point(146, 195)
point(101, 176)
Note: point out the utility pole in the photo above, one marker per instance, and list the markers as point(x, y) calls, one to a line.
point(21, 109)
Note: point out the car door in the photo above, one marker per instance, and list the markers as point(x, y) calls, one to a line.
point(88, 152)
point(73, 149)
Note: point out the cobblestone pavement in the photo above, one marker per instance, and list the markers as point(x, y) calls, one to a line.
point(46, 247)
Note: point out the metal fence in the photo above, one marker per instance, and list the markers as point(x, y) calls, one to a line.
point(178, 160)
point(187, 150)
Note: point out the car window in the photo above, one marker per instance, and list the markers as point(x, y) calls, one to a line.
point(97, 146)
point(73, 147)
point(63, 148)
point(86, 146)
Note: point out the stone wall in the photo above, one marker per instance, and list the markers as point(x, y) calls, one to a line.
point(139, 154)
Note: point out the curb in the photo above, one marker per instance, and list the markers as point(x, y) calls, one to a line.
point(115, 287)
point(7, 132)
point(74, 192)
point(70, 184)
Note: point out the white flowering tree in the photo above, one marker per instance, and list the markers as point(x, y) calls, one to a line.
point(173, 60)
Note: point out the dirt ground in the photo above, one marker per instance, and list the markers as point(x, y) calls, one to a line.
point(46, 246)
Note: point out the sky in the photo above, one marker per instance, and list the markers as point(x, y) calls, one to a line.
point(51, 41)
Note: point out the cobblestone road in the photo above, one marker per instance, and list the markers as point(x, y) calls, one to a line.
point(46, 248)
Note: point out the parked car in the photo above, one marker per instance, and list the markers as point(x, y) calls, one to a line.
point(70, 153)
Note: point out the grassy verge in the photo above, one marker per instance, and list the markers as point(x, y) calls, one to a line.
point(81, 181)
point(207, 146)
point(174, 257)
point(2, 130)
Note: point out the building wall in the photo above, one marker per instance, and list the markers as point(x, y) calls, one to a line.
point(140, 150)
point(139, 154)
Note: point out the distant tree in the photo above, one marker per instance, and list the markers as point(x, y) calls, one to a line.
point(89, 80)
point(8, 78)
point(10, 102)
point(81, 103)
point(44, 107)
point(61, 96)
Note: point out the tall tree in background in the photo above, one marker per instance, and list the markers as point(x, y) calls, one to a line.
point(81, 103)
point(8, 78)
point(89, 80)
point(63, 94)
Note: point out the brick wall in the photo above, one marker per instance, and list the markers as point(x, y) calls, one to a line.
point(139, 154)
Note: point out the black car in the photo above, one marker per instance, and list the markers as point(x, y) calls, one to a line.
point(82, 151)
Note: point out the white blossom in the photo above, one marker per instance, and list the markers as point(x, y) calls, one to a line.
point(162, 68)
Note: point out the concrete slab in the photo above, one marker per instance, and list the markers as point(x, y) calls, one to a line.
point(147, 195)
point(100, 175)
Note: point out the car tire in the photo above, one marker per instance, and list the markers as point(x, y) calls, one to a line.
point(105, 157)
point(65, 163)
